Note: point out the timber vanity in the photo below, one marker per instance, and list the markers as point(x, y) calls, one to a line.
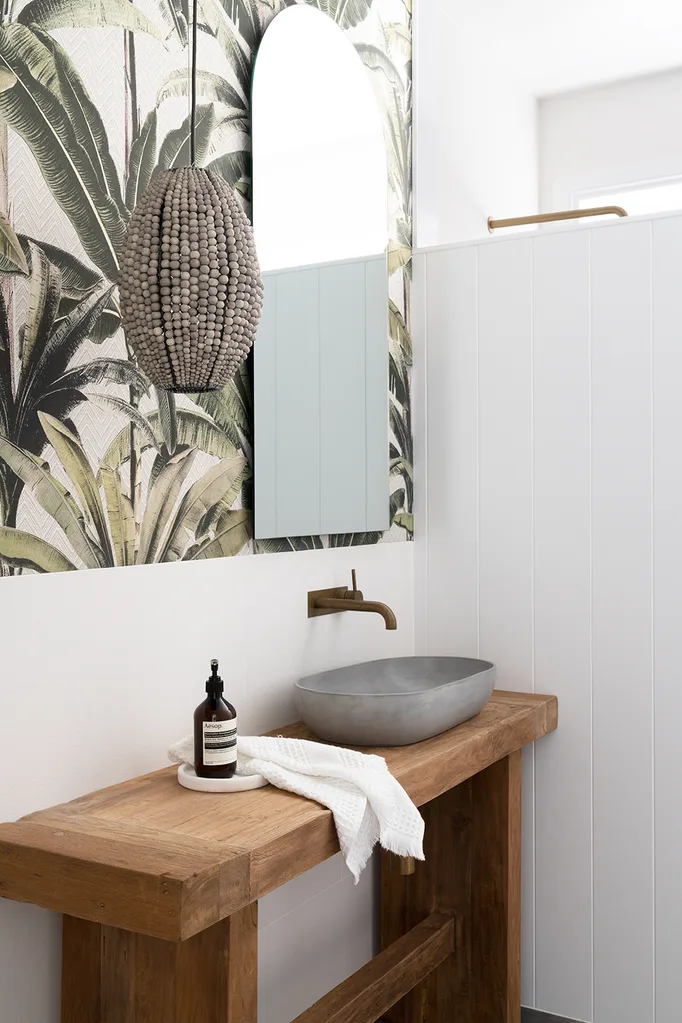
point(159, 887)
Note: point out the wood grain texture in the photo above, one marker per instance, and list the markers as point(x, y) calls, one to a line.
point(81, 987)
point(394, 919)
point(118, 967)
point(144, 886)
point(473, 871)
point(154, 981)
point(496, 892)
point(242, 974)
point(366, 996)
point(115, 976)
point(151, 857)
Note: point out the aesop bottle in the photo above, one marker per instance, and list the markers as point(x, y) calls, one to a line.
point(215, 732)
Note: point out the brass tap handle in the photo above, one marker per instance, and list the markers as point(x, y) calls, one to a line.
point(354, 593)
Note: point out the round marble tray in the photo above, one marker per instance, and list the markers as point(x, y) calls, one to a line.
point(238, 783)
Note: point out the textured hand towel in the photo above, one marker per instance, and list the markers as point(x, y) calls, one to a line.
point(368, 804)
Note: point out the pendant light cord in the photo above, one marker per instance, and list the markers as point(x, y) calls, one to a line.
point(193, 87)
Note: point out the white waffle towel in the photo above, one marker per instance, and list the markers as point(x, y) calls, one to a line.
point(367, 802)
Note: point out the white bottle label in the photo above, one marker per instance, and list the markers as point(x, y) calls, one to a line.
point(220, 743)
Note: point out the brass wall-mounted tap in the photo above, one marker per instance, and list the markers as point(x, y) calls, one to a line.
point(335, 599)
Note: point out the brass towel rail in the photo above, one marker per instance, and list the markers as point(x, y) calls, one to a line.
point(546, 218)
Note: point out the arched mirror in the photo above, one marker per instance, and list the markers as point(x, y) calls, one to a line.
point(320, 221)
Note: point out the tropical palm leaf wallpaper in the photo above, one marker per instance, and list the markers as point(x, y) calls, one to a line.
point(98, 469)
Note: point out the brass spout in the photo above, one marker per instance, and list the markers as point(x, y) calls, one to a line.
point(335, 599)
point(351, 604)
point(546, 218)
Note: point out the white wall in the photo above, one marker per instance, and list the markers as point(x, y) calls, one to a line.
point(105, 669)
point(475, 131)
point(553, 545)
point(610, 135)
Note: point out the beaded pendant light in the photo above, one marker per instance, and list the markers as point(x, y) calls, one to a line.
point(191, 291)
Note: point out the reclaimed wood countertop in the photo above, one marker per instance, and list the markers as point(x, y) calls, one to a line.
point(152, 857)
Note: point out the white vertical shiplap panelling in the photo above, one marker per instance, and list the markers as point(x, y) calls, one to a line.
point(563, 776)
point(265, 417)
point(506, 505)
point(452, 416)
point(667, 322)
point(579, 578)
point(621, 623)
point(376, 387)
point(343, 383)
point(421, 452)
point(419, 412)
point(297, 467)
point(321, 412)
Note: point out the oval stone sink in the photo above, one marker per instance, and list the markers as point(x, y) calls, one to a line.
point(395, 701)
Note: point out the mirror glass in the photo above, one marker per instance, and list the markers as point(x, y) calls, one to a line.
point(320, 214)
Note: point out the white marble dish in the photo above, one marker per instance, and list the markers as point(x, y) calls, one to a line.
point(238, 783)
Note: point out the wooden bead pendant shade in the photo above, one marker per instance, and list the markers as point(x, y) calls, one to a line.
point(191, 291)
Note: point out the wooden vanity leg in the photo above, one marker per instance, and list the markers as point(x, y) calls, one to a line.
point(473, 870)
point(115, 976)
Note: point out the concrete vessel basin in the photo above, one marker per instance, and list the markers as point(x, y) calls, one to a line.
point(395, 701)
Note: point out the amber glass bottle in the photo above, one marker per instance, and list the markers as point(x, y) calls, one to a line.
point(215, 732)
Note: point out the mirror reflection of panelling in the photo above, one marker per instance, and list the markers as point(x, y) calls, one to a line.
point(321, 417)
point(320, 220)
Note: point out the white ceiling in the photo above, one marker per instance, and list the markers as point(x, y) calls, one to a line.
point(551, 46)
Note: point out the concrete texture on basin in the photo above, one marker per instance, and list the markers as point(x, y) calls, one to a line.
point(395, 701)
